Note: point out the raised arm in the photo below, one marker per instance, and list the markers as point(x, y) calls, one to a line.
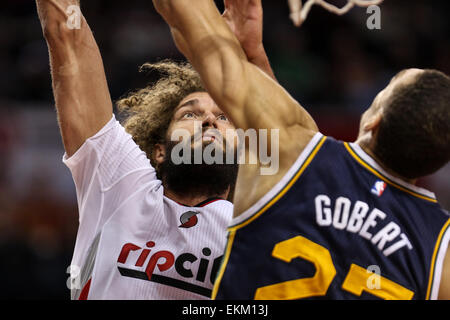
point(82, 98)
point(250, 97)
point(245, 19)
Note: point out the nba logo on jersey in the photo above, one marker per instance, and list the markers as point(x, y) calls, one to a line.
point(378, 188)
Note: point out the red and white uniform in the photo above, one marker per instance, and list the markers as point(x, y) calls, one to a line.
point(132, 241)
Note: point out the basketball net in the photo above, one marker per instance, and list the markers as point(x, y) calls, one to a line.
point(299, 12)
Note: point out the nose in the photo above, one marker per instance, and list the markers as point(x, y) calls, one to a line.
point(209, 120)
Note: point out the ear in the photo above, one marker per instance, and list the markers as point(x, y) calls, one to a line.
point(373, 122)
point(159, 153)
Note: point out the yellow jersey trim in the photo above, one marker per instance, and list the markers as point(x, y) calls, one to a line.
point(223, 266)
point(232, 230)
point(284, 189)
point(384, 178)
point(433, 259)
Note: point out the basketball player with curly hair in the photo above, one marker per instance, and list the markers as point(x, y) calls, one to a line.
point(148, 228)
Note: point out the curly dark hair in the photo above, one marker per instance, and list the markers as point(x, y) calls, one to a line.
point(149, 111)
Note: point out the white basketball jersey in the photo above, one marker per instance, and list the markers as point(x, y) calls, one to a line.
point(132, 241)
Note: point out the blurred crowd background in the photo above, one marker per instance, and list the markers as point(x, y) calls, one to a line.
point(333, 65)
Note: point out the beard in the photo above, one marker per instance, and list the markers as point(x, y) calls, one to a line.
point(198, 179)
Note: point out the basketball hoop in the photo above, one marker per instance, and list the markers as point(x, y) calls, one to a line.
point(299, 12)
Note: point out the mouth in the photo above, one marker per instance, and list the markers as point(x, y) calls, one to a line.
point(209, 137)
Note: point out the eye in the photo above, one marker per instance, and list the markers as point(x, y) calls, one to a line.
point(222, 117)
point(188, 115)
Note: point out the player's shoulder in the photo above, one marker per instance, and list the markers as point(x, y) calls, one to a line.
point(326, 148)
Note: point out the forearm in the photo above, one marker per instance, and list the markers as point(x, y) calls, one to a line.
point(204, 38)
point(79, 84)
point(240, 88)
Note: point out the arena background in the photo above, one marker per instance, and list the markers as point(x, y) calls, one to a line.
point(333, 65)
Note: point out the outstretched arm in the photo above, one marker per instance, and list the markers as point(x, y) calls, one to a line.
point(250, 97)
point(82, 98)
point(245, 19)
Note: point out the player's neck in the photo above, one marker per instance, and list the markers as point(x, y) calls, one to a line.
point(192, 199)
point(368, 148)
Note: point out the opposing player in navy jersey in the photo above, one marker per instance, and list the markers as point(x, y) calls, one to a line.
point(339, 220)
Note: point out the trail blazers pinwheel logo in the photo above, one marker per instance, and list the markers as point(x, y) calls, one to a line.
point(189, 219)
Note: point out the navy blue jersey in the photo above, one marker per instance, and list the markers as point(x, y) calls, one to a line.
point(337, 226)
